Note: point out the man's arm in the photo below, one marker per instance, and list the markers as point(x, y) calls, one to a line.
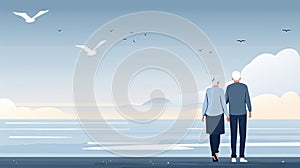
point(226, 96)
point(248, 102)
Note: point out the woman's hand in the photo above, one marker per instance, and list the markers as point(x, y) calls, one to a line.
point(203, 118)
point(228, 119)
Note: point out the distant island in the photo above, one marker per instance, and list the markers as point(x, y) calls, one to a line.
point(157, 101)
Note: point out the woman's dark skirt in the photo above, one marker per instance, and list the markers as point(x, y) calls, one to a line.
point(215, 124)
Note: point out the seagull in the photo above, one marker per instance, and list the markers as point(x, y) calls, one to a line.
point(111, 30)
point(133, 41)
point(124, 39)
point(200, 50)
point(210, 52)
point(286, 30)
point(93, 51)
point(29, 19)
point(241, 40)
point(59, 30)
point(145, 34)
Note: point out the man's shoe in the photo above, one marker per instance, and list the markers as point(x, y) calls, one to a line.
point(243, 160)
point(233, 160)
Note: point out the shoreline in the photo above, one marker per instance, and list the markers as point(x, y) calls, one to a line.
point(145, 162)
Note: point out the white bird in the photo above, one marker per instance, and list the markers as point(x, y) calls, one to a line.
point(91, 52)
point(29, 19)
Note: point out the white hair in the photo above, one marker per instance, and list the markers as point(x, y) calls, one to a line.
point(215, 79)
point(236, 75)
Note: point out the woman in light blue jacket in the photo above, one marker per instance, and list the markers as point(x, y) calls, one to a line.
point(213, 109)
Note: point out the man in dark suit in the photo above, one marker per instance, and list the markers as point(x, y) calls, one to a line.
point(237, 95)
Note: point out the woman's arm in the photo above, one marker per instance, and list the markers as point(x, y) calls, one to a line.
point(224, 106)
point(205, 105)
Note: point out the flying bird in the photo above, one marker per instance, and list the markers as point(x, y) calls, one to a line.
point(210, 52)
point(29, 19)
point(59, 30)
point(241, 40)
point(111, 30)
point(124, 39)
point(145, 34)
point(286, 30)
point(133, 41)
point(200, 50)
point(91, 52)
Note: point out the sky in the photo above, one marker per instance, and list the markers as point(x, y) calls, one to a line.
point(37, 62)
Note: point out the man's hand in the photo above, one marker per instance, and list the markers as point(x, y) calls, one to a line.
point(250, 114)
point(228, 119)
point(203, 118)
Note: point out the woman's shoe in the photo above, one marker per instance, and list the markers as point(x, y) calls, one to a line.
point(217, 155)
point(215, 159)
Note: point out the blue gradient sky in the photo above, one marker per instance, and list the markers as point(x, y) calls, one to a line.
point(37, 62)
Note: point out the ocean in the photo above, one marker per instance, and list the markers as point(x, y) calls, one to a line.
point(67, 138)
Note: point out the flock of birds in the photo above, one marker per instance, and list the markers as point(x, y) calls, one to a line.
point(286, 30)
point(89, 51)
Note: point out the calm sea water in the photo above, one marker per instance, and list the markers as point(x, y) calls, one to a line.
point(265, 138)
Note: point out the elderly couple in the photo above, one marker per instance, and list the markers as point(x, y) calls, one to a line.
point(213, 110)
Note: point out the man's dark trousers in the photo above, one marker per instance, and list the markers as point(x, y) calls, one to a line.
point(235, 121)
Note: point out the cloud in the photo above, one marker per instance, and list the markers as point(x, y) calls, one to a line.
point(269, 106)
point(273, 74)
point(8, 110)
